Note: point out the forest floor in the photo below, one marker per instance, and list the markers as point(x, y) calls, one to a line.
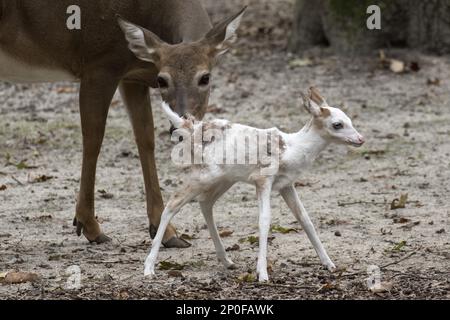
point(348, 192)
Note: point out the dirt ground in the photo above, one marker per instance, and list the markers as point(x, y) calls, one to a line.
point(348, 192)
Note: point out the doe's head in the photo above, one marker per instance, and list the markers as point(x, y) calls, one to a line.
point(333, 124)
point(184, 69)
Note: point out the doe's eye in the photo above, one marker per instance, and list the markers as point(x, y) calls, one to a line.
point(204, 80)
point(162, 83)
point(338, 126)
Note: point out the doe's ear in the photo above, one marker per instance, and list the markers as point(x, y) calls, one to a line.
point(224, 34)
point(142, 42)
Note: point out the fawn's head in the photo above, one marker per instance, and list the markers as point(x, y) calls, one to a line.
point(184, 69)
point(333, 124)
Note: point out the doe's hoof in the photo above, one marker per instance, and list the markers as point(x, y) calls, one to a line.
point(152, 230)
point(101, 238)
point(175, 242)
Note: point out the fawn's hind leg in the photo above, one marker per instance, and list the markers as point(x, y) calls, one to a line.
point(290, 195)
point(176, 202)
point(207, 210)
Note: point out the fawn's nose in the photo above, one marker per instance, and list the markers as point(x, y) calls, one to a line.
point(361, 139)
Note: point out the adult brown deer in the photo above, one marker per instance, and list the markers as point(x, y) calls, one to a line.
point(171, 44)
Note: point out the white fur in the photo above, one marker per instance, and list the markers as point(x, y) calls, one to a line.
point(174, 118)
point(232, 27)
point(209, 182)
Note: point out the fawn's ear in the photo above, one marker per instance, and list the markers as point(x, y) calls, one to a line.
point(314, 103)
point(142, 42)
point(224, 34)
point(311, 106)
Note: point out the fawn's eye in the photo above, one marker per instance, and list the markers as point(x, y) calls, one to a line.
point(204, 80)
point(162, 83)
point(338, 126)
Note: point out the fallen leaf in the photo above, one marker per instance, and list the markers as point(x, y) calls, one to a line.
point(302, 184)
point(373, 152)
point(282, 230)
point(22, 165)
point(299, 63)
point(397, 66)
point(105, 195)
point(399, 203)
point(251, 240)
point(399, 246)
point(188, 237)
point(409, 226)
point(247, 277)
point(167, 265)
point(3, 187)
point(401, 220)
point(434, 82)
point(41, 178)
point(196, 264)
point(226, 233)
point(175, 274)
point(235, 247)
point(414, 66)
point(20, 277)
point(66, 90)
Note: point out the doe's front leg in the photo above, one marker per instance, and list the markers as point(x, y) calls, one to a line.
point(263, 189)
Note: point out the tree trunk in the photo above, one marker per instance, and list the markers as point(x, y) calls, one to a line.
point(342, 24)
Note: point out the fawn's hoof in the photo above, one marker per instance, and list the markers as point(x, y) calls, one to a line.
point(331, 267)
point(101, 238)
point(149, 272)
point(263, 277)
point(175, 242)
point(232, 267)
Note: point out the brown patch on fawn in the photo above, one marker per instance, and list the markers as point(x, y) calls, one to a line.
point(325, 112)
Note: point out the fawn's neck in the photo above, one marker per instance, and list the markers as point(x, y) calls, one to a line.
point(307, 144)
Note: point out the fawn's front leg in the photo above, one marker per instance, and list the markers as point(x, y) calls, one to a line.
point(290, 195)
point(263, 190)
point(176, 202)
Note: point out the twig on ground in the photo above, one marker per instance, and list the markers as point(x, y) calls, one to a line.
point(346, 204)
point(383, 266)
point(17, 180)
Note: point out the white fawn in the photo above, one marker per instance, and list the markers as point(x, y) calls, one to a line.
point(210, 180)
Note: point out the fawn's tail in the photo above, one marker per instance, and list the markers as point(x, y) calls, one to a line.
point(174, 118)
